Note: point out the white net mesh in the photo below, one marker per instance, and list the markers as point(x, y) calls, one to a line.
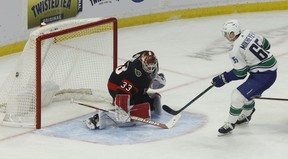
point(74, 65)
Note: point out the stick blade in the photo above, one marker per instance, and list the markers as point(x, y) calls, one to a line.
point(173, 121)
point(169, 110)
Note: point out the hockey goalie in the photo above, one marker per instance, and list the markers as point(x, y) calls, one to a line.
point(128, 86)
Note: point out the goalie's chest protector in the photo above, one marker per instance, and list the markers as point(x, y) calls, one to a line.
point(132, 78)
point(137, 76)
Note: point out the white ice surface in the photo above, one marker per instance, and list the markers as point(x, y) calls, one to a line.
point(190, 53)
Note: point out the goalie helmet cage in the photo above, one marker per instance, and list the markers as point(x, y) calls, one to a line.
point(71, 56)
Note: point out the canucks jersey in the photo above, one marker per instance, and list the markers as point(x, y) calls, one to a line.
point(250, 54)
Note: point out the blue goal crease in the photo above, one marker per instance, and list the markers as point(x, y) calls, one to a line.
point(76, 129)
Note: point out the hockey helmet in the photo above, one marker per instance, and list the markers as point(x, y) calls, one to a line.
point(231, 26)
point(149, 61)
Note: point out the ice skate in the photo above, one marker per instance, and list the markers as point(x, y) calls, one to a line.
point(226, 129)
point(243, 119)
point(93, 122)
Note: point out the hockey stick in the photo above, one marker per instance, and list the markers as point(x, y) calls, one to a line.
point(175, 112)
point(283, 99)
point(168, 125)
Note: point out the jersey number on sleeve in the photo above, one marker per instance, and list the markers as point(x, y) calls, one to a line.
point(121, 68)
point(258, 51)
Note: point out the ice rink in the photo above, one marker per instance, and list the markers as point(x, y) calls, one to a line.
point(190, 52)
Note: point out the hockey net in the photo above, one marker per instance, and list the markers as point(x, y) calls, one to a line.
point(60, 61)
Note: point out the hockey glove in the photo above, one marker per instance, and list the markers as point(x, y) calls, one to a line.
point(158, 82)
point(162, 77)
point(220, 80)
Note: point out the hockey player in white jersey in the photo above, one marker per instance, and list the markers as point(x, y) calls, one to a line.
point(250, 57)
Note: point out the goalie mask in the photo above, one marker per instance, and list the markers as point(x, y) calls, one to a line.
point(149, 61)
point(231, 29)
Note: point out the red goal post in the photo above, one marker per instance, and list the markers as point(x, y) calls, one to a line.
point(73, 57)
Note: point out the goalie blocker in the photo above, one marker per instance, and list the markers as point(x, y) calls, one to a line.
point(121, 115)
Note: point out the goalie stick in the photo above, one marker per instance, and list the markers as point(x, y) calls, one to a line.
point(175, 112)
point(168, 125)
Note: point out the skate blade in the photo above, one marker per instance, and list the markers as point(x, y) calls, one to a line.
point(221, 135)
point(243, 124)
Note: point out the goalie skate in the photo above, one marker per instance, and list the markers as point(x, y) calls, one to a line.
point(93, 122)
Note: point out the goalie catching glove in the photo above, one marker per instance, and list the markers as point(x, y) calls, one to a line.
point(159, 81)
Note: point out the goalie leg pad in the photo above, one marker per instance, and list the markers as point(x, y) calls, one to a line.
point(123, 101)
point(156, 107)
point(157, 104)
point(141, 110)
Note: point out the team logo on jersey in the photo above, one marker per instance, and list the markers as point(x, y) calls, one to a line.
point(138, 73)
